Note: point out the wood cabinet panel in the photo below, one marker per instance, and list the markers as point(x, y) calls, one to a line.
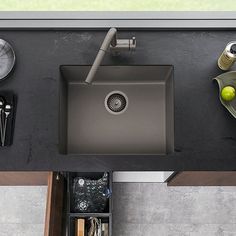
point(54, 210)
point(203, 178)
point(23, 178)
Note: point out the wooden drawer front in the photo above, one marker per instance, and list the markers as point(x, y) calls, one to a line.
point(23, 178)
point(54, 212)
point(204, 178)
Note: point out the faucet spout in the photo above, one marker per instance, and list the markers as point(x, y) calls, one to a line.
point(115, 45)
point(110, 39)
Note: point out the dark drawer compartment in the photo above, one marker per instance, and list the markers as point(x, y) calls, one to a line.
point(72, 214)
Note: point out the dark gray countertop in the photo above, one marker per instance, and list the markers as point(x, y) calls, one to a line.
point(205, 133)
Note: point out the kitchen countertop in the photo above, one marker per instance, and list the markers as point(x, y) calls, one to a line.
point(205, 133)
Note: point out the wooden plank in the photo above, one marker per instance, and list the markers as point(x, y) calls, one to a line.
point(54, 209)
point(204, 178)
point(23, 178)
point(79, 227)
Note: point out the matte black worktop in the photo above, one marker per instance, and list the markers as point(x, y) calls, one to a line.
point(205, 133)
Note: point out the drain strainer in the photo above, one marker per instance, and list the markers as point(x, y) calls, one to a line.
point(116, 102)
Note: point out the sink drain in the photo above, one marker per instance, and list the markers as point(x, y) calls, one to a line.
point(116, 102)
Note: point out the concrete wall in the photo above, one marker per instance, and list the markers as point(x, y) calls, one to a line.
point(140, 209)
point(153, 209)
point(22, 210)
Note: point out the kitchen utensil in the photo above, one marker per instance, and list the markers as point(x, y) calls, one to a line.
point(7, 59)
point(1, 117)
point(95, 227)
point(7, 111)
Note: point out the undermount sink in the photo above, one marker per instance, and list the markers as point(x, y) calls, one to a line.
point(126, 110)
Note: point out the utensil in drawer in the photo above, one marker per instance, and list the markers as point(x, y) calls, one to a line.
point(7, 112)
point(95, 227)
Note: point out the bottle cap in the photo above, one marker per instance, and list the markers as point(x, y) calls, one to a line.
point(233, 49)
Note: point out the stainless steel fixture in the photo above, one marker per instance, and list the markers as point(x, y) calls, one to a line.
point(116, 102)
point(7, 59)
point(6, 113)
point(110, 41)
point(127, 110)
point(228, 56)
point(1, 117)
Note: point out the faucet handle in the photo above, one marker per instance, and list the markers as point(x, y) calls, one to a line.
point(124, 45)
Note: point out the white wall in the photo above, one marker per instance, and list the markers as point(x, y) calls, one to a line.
point(141, 176)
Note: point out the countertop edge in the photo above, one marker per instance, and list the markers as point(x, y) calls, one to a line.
point(123, 20)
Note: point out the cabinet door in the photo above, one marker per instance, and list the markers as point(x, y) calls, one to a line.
point(203, 178)
point(54, 213)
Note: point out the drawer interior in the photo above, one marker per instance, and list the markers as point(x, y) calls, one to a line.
point(72, 215)
point(72, 222)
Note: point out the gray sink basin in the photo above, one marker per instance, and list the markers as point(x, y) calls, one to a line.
point(127, 110)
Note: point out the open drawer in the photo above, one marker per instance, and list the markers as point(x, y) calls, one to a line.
point(55, 219)
point(60, 218)
point(104, 216)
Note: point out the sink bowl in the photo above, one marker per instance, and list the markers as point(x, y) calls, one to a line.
point(127, 110)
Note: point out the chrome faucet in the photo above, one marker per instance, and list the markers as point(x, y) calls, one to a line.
point(115, 45)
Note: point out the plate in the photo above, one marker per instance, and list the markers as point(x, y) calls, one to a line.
point(227, 79)
point(7, 59)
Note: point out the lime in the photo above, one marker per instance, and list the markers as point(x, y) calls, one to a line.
point(228, 93)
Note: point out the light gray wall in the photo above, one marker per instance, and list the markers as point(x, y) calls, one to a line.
point(22, 210)
point(140, 209)
point(153, 209)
